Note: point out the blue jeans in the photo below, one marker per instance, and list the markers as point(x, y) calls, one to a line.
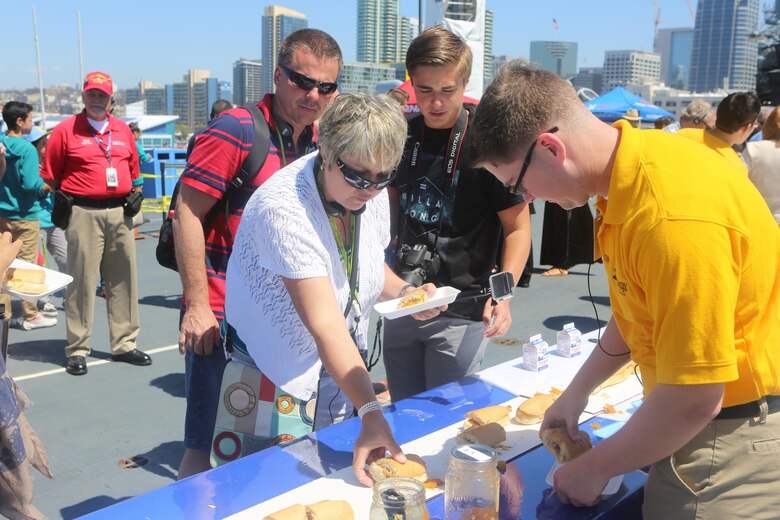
point(202, 382)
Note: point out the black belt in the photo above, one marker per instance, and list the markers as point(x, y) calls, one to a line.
point(751, 409)
point(99, 203)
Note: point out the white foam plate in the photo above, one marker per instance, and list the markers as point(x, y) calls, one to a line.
point(390, 310)
point(610, 489)
point(54, 280)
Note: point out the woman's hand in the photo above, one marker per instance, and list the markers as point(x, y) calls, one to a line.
point(374, 440)
point(430, 290)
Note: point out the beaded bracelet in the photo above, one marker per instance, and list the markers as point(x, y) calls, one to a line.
point(369, 407)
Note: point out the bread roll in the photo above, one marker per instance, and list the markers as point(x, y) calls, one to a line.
point(491, 434)
point(330, 510)
point(531, 411)
point(25, 275)
point(617, 378)
point(295, 512)
point(564, 448)
point(388, 467)
point(491, 414)
point(27, 287)
point(413, 298)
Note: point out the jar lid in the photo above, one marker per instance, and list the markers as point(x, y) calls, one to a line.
point(474, 453)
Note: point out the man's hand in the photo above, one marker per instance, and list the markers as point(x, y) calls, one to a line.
point(430, 290)
point(497, 319)
point(199, 331)
point(578, 483)
point(375, 438)
point(9, 248)
point(565, 411)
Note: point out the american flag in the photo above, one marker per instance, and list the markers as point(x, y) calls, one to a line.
point(555, 23)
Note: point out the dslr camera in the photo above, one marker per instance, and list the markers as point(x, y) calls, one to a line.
point(416, 264)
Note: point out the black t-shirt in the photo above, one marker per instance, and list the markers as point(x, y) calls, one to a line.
point(461, 211)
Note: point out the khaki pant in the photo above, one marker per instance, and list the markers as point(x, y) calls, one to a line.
point(28, 231)
point(101, 241)
point(730, 470)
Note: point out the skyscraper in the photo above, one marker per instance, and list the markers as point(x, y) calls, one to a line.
point(557, 57)
point(724, 55)
point(630, 67)
point(675, 47)
point(410, 29)
point(379, 37)
point(192, 98)
point(488, 58)
point(278, 23)
point(247, 82)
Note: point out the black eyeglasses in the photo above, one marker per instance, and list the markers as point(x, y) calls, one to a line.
point(306, 83)
point(518, 189)
point(358, 179)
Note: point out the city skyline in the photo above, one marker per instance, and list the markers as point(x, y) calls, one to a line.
point(163, 41)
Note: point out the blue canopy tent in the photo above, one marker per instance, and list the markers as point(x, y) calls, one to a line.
point(612, 105)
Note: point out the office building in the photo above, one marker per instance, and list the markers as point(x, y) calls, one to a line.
point(675, 47)
point(724, 54)
point(557, 57)
point(363, 77)
point(192, 98)
point(278, 23)
point(630, 67)
point(410, 29)
point(589, 77)
point(488, 54)
point(379, 32)
point(153, 96)
point(247, 82)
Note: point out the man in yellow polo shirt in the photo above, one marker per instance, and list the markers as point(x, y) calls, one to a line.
point(735, 121)
point(693, 256)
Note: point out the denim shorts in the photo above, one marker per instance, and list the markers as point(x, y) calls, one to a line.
point(202, 382)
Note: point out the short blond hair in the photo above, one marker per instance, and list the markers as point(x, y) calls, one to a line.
point(369, 129)
point(438, 47)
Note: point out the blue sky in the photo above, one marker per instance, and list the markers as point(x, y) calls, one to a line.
point(159, 40)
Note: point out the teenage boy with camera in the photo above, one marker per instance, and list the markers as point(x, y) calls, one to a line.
point(454, 226)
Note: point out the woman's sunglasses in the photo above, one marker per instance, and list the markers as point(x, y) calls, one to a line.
point(306, 83)
point(358, 179)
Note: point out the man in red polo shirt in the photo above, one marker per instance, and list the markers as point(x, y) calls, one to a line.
point(93, 158)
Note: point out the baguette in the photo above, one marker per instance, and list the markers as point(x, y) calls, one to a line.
point(558, 441)
point(616, 378)
point(413, 298)
point(491, 434)
point(531, 411)
point(387, 467)
point(490, 414)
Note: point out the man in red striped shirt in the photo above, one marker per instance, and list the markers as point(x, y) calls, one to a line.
point(309, 64)
point(92, 157)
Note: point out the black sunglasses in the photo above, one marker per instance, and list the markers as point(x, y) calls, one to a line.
point(358, 179)
point(306, 83)
point(518, 189)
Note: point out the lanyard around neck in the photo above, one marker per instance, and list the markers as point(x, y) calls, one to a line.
point(105, 149)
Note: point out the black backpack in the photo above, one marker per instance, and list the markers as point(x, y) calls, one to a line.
point(166, 250)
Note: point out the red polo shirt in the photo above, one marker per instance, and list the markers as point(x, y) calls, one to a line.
point(74, 158)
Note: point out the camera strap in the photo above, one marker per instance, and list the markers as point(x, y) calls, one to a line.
point(450, 163)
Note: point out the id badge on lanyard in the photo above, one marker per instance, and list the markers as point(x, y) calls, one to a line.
point(112, 181)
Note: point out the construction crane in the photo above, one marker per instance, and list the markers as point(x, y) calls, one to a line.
point(691, 10)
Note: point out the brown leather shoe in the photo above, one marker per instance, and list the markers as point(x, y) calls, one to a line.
point(76, 366)
point(134, 357)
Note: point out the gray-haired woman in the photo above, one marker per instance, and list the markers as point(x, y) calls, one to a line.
point(306, 267)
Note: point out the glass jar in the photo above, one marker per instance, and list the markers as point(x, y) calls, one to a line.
point(472, 484)
point(399, 498)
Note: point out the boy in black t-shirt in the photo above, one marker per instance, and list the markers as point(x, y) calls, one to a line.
point(462, 215)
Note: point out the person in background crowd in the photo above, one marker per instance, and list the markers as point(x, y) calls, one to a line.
point(760, 120)
point(399, 95)
point(92, 157)
point(567, 238)
point(21, 191)
point(309, 64)
point(633, 117)
point(293, 272)
point(735, 120)
point(143, 157)
point(763, 162)
point(2, 160)
point(52, 238)
point(457, 213)
point(217, 108)
point(708, 353)
point(662, 122)
point(698, 114)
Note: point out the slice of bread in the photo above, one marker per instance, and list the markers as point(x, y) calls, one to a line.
point(558, 441)
point(618, 377)
point(490, 434)
point(25, 275)
point(386, 467)
point(531, 411)
point(482, 416)
point(330, 510)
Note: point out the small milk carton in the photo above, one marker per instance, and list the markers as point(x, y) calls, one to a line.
point(535, 354)
point(569, 341)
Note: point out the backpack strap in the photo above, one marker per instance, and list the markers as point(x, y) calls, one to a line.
point(257, 155)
